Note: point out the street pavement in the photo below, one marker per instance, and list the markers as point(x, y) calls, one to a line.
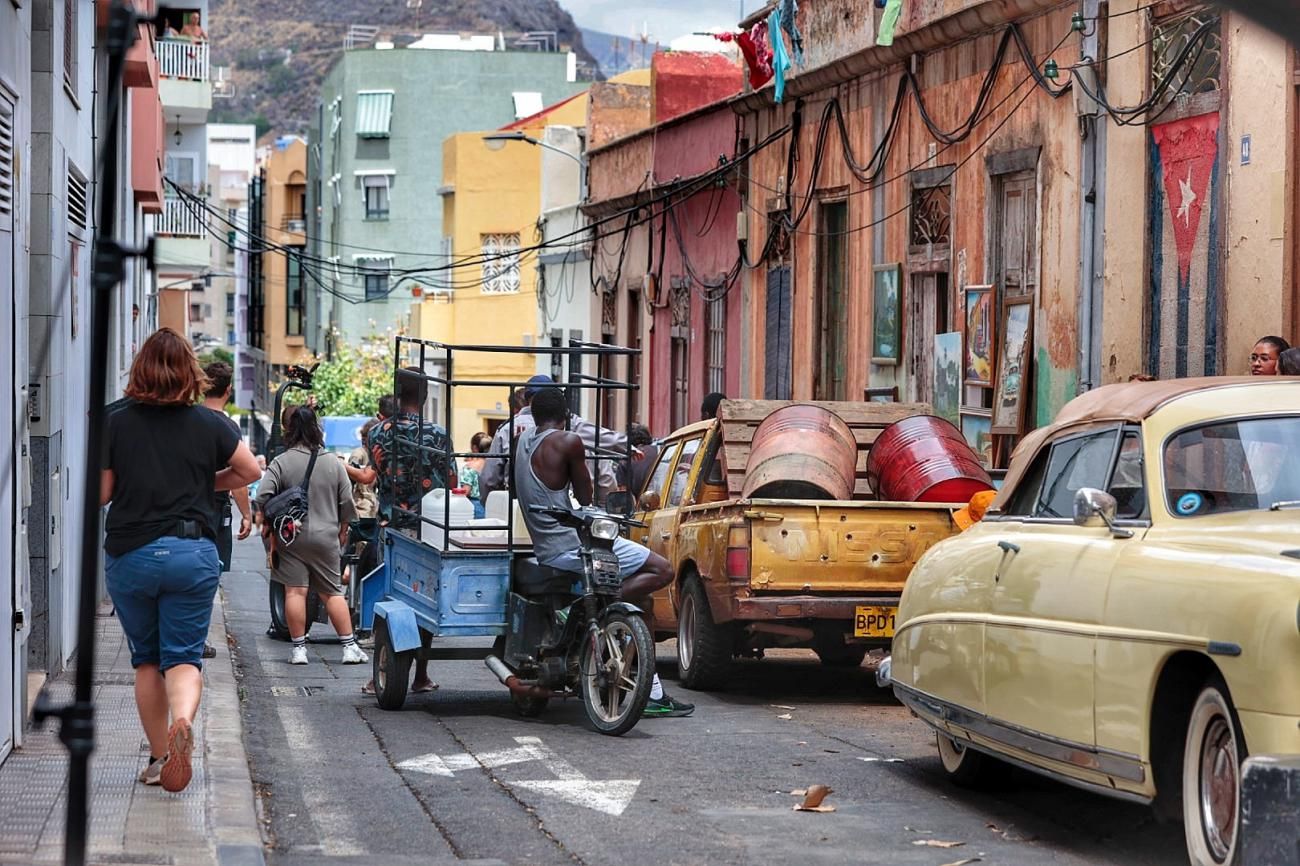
point(457, 776)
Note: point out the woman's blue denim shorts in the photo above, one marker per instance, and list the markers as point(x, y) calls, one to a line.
point(163, 595)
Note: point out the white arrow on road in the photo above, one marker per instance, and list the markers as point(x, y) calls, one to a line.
point(611, 796)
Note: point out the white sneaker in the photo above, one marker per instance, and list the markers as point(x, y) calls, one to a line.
point(354, 655)
point(152, 774)
point(298, 656)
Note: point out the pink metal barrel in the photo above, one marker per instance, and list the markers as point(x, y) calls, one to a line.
point(801, 452)
point(924, 459)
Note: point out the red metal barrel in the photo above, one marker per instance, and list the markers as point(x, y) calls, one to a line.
point(924, 459)
point(801, 452)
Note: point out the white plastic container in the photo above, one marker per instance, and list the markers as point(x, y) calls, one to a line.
point(495, 507)
point(433, 505)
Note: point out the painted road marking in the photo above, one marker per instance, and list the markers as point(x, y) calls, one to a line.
point(610, 796)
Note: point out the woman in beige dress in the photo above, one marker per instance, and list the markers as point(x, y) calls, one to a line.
point(312, 559)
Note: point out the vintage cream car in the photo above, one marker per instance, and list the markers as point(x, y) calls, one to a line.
point(1127, 616)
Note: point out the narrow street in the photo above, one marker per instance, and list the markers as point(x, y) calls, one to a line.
point(457, 775)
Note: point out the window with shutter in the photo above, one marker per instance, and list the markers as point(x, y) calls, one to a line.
point(634, 362)
point(70, 46)
point(8, 182)
point(78, 202)
point(717, 345)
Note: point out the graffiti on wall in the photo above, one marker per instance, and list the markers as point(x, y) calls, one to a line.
point(1184, 227)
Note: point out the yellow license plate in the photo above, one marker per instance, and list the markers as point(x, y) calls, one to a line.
point(874, 621)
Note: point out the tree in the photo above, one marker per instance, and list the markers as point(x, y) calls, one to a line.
point(352, 382)
point(219, 353)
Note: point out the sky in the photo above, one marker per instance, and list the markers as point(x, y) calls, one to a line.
point(664, 19)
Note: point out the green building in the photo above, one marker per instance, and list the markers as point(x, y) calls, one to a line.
point(375, 167)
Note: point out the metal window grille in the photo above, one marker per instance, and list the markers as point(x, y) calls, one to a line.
point(1171, 36)
point(931, 217)
point(605, 363)
point(680, 352)
point(634, 362)
point(501, 263)
point(717, 344)
point(78, 200)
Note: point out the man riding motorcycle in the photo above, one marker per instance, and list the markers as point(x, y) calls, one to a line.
point(549, 460)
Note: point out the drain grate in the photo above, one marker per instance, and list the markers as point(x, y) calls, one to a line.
point(296, 691)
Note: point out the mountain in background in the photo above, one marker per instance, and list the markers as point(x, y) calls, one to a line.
point(276, 52)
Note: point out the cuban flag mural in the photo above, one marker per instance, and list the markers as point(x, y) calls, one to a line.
point(1184, 216)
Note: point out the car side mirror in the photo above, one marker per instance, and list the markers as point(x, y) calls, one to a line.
point(1096, 508)
point(650, 501)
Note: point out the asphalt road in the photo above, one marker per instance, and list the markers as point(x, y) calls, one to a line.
point(456, 775)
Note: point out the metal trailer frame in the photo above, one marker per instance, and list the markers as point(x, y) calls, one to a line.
point(420, 591)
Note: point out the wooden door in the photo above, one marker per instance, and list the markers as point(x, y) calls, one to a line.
point(927, 316)
point(830, 346)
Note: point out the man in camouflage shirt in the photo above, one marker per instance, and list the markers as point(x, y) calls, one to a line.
point(411, 456)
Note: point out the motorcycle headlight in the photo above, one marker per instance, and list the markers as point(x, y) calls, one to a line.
point(604, 529)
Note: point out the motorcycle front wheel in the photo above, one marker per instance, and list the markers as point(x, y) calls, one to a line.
point(617, 670)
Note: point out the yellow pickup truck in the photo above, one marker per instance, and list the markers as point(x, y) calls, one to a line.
point(754, 573)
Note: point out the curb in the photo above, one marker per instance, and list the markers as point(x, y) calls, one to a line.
point(235, 832)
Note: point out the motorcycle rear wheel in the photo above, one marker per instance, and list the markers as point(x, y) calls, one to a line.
point(616, 674)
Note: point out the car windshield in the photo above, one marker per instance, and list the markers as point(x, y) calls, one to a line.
point(1243, 465)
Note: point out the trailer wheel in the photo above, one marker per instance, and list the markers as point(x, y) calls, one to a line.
point(704, 648)
point(392, 670)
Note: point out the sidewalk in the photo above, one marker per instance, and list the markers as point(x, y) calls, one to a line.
point(211, 823)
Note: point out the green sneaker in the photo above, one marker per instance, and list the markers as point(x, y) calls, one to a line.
point(667, 708)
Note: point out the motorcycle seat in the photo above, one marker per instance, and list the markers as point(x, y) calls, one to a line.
point(533, 578)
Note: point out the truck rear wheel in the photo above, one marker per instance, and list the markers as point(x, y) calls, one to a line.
point(704, 648)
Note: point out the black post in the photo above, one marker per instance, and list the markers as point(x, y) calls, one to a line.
point(77, 720)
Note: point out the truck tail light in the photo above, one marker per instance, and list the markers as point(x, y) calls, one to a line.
point(738, 552)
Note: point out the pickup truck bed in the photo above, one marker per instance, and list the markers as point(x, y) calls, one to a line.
point(756, 573)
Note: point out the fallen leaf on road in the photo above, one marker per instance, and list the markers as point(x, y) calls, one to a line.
point(782, 707)
point(785, 716)
point(963, 862)
point(937, 843)
point(812, 801)
point(798, 792)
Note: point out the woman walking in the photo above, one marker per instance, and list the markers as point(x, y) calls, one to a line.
point(312, 557)
point(165, 457)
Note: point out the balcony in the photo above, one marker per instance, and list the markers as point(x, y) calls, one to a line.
point(181, 235)
point(295, 223)
point(185, 85)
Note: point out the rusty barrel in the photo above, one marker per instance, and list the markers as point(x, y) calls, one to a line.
point(801, 452)
point(924, 459)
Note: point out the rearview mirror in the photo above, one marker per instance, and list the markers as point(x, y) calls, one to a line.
point(619, 502)
point(1096, 508)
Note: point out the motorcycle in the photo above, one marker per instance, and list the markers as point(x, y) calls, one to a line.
point(569, 633)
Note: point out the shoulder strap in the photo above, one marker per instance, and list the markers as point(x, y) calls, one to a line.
point(306, 479)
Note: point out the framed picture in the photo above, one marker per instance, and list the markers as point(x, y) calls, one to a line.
point(978, 430)
point(1012, 387)
point(978, 360)
point(947, 376)
point(886, 317)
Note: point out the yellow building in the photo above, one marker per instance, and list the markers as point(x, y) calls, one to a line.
point(491, 201)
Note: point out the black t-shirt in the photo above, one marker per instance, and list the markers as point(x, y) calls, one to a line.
point(164, 460)
point(221, 499)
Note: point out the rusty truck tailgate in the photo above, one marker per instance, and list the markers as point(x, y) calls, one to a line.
point(804, 546)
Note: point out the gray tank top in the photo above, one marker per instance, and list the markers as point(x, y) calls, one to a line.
point(550, 539)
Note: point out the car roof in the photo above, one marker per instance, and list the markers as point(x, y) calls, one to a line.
point(1131, 402)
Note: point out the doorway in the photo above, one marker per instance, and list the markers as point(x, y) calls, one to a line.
point(927, 317)
point(831, 318)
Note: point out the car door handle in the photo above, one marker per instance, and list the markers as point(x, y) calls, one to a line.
point(664, 536)
point(644, 539)
point(1009, 547)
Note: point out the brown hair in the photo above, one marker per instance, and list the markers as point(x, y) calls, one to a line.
point(302, 430)
point(219, 377)
point(166, 372)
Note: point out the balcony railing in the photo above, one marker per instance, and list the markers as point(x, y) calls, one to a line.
point(183, 59)
point(293, 223)
point(177, 220)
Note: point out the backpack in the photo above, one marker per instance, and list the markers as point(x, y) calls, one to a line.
point(287, 510)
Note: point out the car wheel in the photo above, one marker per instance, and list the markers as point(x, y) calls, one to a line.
point(704, 647)
point(1212, 760)
point(963, 765)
